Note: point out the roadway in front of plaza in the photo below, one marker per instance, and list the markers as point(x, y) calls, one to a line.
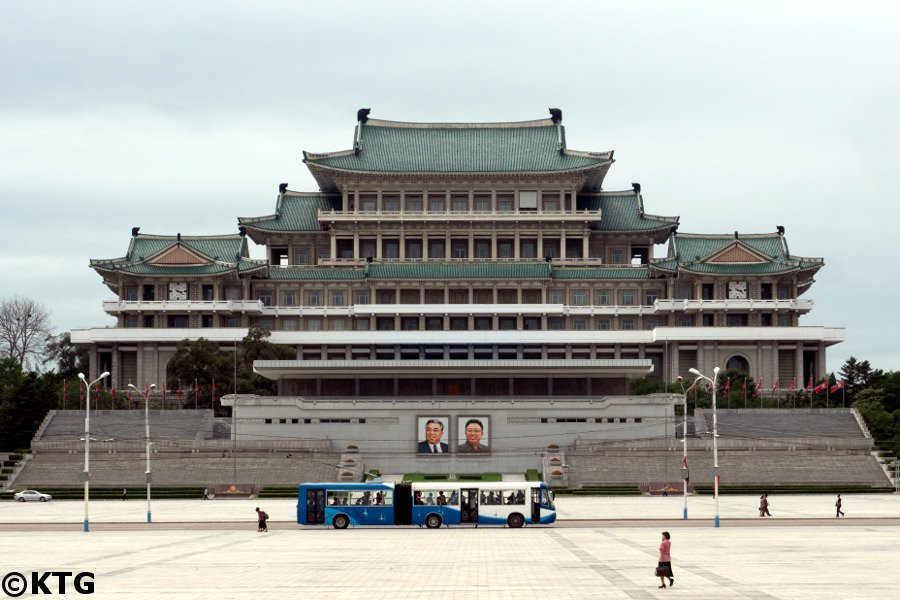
point(602, 547)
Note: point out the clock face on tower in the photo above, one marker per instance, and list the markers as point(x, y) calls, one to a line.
point(737, 290)
point(178, 290)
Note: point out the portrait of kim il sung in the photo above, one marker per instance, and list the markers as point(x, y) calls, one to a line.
point(433, 435)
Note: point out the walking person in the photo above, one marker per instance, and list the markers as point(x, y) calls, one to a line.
point(124, 493)
point(664, 568)
point(262, 517)
point(764, 506)
point(837, 505)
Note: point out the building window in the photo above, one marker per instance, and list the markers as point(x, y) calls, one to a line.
point(131, 293)
point(313, 298)
point(531, 323)
point(436, 204)
point(313, 324)
point(482, 249)
point(507, 323)
point(206, 320)
point(232, 321)
point(302, 256)
point(483, 323)
point(686, 321)
point(324, 253)
point(384, 323)
point(459, 248)
point(413, 249)
point(650, 297)
point(265, 298)
point(337, 298)
point(132, 321)
point(579, 324)
point(460, 204)
point(361, 324)
point(289, 324)
point(555, 297)
point(391, 204)
point(504, 249)
point(649, 324)
point(602, 297)
point(458, 323)
point(504, 204)
point(618, 256)
point(603, 324)
point(555, 323)
point(733, 320)
point(579, 297)
point(765, 320)
point(626, 297)
point(288, 299)
point(627, 324)
point(551, 204)
point(483, 204)
point(684, 292)
point(434, 323)
point(528, 249)
point(784, 292)
point(338, 324)
point(391, 249)
point(784, 320)
point(413, 204)
point(709, 320)
point(436, 249)
point(409, 323)
point(362, 296)
point(265, 324)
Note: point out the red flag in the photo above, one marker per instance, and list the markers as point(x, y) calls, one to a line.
point(793, 382)
point(809, 385)
point(838, 386)
point(65, 393)
point(690, 389)
point(757, 388)
point(727, 385)
point(822, 386)
point(775, 386)
point(687, 473)
point(179, 393)
point(196, 393)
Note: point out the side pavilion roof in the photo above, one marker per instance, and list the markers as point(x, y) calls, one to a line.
point(738, 254)
point(294, 212)
point(177, 255)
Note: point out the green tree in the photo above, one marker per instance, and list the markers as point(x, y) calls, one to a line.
point(70, 359)
point(25, 398)
point(203, 362)
point(879, 421)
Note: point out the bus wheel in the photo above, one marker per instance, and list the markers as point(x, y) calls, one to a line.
point(340, 522)
point(515, 520)
point(433, 521)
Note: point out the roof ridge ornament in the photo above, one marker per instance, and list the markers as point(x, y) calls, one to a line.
point(556, 117)
point(362, 116)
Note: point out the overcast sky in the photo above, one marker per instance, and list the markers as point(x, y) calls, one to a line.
point(182, 116)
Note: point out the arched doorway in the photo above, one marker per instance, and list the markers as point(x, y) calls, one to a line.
point(738, 363)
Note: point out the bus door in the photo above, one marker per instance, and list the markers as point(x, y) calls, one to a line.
point(403, 504)
point(535, 505)
point(468, 506)
point(315, 507)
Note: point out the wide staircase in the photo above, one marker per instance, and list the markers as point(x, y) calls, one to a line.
point(756, 447)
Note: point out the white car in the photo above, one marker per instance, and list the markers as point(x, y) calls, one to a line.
point(31, 495)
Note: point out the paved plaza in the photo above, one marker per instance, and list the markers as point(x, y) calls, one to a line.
point(601, 548)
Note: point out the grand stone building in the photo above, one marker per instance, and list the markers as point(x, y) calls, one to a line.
point(464, 270)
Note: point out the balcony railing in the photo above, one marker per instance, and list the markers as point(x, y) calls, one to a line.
point(451, 215)
point(559, 262)
point(750, 305)
point(200, 306)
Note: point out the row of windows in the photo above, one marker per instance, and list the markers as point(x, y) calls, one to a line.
point(481, 248)
point(457, 323)
point(528, 201)
point(578, 297)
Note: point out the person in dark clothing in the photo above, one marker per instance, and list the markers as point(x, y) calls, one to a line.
point(837, 505)
point(262, 517)
point(764, 506)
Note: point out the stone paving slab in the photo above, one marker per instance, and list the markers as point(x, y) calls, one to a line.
point(181, 560)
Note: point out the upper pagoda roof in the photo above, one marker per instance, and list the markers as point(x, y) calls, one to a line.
point(176, 255)
point(624, 212)
point(400, 147)
point(294, 211)
point(738, 254)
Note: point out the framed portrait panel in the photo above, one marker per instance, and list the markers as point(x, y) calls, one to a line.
point(473, 434)
point(433, 434)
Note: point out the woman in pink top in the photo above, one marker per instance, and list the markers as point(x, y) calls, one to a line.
point(664, 569)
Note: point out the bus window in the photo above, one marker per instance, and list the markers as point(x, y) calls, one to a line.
point(338, 498)
point(361, 498)
point(513, 497)
point(547, 498)
point(383, 498)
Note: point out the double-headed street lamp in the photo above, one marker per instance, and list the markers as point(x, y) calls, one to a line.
point(87, 442)
point(715, 434)
point(684, 466)
point(146, 395)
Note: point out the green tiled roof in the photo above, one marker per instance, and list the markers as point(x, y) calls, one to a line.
point(295, 212)
point(601, 273)
point(622, 212)
point(316, 274)
point(690, 252)
point(460, 271)
point(393, 147)
point(226, 253)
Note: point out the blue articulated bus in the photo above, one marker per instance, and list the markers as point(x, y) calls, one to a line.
point(432, 504)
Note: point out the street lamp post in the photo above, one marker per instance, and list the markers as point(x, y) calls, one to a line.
point(87, 442)
point(684, 466)
point(715, 434)
point(146, 396)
